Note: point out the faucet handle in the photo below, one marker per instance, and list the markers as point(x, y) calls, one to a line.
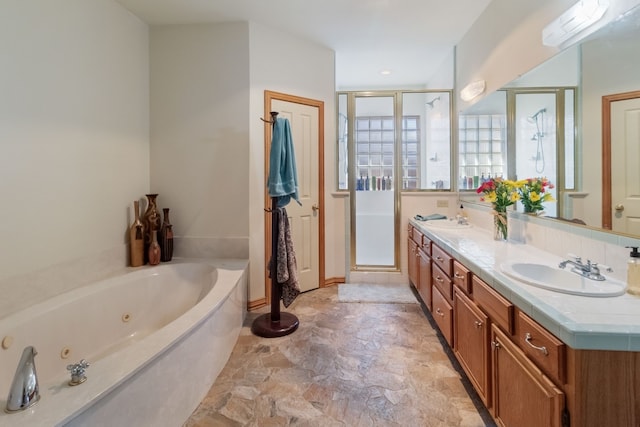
point(78, 372)
point(602, 267)
point(574, 256)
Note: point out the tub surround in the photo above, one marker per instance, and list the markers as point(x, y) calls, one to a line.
point(589, 323)
point(133, 384)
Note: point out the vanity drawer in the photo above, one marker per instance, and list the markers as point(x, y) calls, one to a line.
point(443, 315)
point(426, 245)
point(495, 305)
point(442, 259)
point(542, 347)
point(442, 282)
point(416, 235)
point(461, 277)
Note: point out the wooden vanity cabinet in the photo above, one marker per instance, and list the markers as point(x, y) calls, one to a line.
point(522, 395)
point(524, 374)
point(471, 346)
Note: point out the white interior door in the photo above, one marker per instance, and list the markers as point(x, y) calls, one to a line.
point(625, 158)
point(304, 219)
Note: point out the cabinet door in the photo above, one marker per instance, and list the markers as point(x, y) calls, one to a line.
point(424, 277)
point(471, 329)
point(443, 315)
point(522, 395)
point(412, 254)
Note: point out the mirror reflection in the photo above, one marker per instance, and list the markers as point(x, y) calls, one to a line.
point(554, 128)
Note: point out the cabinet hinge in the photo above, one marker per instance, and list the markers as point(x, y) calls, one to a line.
point(566, 420)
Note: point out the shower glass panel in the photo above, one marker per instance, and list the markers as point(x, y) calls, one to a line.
point(426, 141)
point(343, 143)
point(536, 140)
point(374, 144)
point(569, 140)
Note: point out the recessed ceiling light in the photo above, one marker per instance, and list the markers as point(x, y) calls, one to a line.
point(385, 72)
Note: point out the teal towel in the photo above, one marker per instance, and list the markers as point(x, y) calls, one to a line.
point(282, 182)
point(430, 217)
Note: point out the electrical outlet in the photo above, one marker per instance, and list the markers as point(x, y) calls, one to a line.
point(442, 203)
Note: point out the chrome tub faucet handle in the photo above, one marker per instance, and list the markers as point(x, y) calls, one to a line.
point(78, 372)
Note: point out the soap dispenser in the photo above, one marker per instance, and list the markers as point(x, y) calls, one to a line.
point(633, 271)
point(462, 212)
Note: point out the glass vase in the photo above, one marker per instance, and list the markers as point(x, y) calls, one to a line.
point(500, 225)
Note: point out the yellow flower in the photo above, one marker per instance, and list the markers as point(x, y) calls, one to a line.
point(534, 196)
point(492, 197)
point(548, 198)
point(514, 197)
point(521, 183)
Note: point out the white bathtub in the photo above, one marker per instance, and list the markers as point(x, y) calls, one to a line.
point(156, 339)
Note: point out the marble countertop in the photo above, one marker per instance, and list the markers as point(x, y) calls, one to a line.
point(581, 322)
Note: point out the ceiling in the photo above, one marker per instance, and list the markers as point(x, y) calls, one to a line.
point(410, 38)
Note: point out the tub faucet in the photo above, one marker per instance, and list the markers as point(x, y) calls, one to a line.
point(24, 390)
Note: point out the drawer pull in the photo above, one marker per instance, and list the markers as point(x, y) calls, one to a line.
point(477, 323)
point(417, 254)
point(495, 345)
point(543, 349)
point(439, 279)
point(458, 276)
point(439, 258)
point(440, 313)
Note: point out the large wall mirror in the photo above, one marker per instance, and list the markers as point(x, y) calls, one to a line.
point(549, 122)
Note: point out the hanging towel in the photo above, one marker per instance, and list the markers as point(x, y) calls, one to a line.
point(286, 266)
point(283, 177)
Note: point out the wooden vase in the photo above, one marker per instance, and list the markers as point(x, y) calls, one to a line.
point(154, 246)
point(136, 238)
point(166, 237)
point(151, 221)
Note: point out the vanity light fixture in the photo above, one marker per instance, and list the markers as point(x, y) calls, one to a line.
point(472, 90)
point(574, 20)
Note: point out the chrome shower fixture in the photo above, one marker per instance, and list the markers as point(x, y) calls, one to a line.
point(534, 118)
point(430, 103)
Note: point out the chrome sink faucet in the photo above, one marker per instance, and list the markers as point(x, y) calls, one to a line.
point(590, 270)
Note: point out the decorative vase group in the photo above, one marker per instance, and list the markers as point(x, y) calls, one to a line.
point(150, 239)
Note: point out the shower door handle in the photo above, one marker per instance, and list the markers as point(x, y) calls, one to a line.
point(619, 207)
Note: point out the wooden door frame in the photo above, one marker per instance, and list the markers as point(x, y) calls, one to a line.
point(277, 96)
point(606, 153)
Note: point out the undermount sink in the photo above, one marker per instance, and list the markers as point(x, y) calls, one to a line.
point(558, 280)
point(448, 224)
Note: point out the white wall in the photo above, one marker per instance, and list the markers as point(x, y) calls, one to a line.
point(200, 134)
point(73, 130)
point(287, 64)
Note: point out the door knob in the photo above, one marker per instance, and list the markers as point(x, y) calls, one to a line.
point(315, 207)
point(619, 207)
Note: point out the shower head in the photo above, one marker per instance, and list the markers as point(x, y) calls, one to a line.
point(532, 119)
point(430, 103)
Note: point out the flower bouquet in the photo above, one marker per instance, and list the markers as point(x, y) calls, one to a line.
point(501, 193)
point(532, 192)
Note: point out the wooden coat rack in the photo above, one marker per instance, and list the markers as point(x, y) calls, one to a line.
point(275, 323)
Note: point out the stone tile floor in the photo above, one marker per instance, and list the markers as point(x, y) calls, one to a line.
point(348, 364)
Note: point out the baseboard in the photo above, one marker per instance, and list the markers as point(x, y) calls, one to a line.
point(332, 281)
point(262, 302)
point(253, 305)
